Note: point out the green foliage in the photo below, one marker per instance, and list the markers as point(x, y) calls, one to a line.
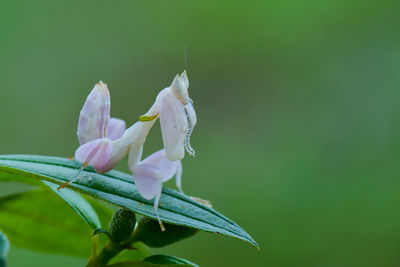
point(78, 204)
point(145, 264)
point(157, 261)
point(4, 247)
point(101, 231)
point(168, 260)
point(119, 188)
point(149, 232)
point(138, 251)
point(103, 210)
point(12, 188)
point(122, 225)
point(39, 220)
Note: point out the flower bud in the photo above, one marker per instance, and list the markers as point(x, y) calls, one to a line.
point(148, 231)
point(122, 225)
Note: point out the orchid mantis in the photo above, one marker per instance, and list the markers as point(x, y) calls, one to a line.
point(105, 141)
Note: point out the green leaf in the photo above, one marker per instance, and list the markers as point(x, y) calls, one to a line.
point(119, 188)
point(168, 260)
point(39, 220)
point(147, 264)
point(4, 247)
point(100, 231)
point(103, 209)
point(78, 204)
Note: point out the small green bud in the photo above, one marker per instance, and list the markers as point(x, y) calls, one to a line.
point(149, 232)
point(122, 225)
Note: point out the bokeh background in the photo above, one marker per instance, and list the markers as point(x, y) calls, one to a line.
point(298, 103)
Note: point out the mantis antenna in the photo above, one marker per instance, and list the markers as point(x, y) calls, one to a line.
point(186, 46)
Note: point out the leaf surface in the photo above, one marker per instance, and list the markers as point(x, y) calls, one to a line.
point(78, 204)
point(118, 188)
point(4, 247)
point(146, 264)
point(39, 220)
point(168, 260)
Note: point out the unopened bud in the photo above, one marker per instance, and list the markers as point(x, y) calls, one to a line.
point(122, 225)
point(149, 233)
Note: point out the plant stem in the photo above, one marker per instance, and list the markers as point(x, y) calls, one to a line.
point(109, 251)
point(95, 244)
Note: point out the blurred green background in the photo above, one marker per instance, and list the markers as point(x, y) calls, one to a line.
point(298, 103)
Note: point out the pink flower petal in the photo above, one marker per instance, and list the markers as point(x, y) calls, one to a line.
point(94, 114)
point(174, 127)
point(115, 128)
point(116, 155)
point(159, 162)
point(95, 153)
point(148, 180)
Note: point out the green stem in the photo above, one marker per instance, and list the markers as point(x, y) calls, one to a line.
point(95, 244)
point(109, 251)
